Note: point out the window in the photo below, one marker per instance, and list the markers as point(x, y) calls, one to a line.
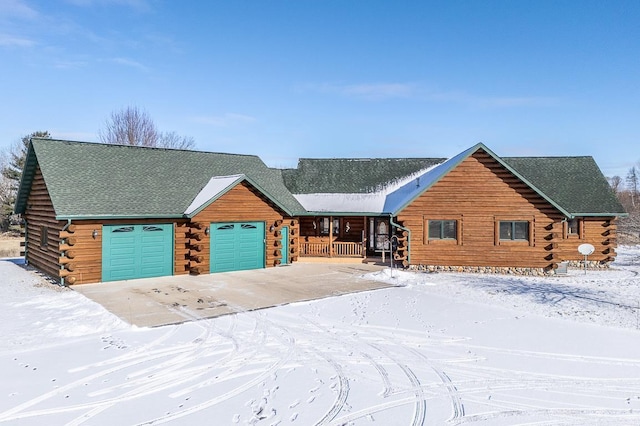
point(44, 237)
point(324, 226)
point(123, 229)
point(573, 228)
point(442, 230)
point(514, 230)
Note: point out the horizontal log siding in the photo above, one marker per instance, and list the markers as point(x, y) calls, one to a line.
point(40, 213)
point(242, 204)
point(478, 192)
point(599, 232)
point(88, 251)
point(181, 249)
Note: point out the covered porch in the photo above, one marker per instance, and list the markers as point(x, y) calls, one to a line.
point(343, 237)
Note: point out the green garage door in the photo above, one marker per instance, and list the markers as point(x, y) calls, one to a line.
point(237, 246)
point(136, 251)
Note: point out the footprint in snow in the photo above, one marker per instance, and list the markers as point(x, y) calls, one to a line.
point(311, 399)
point(293, 417)
point(294, 403)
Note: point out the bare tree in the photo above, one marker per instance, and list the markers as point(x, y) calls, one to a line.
point(130, 126)
point(615, 183)
point(173, 140)
point(133, 126)
point(632, 184)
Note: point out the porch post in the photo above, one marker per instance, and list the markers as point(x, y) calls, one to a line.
point(364, 237)
point(330, 236)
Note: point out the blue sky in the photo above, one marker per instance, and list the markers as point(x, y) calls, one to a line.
point(332, 78)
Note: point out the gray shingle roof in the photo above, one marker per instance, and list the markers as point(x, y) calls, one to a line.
point(351, 175)
point(91, 179)
point(95, 180)
point(575, 183)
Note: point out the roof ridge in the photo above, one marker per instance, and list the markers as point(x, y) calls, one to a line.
point(549, 156)
point(369, 158)
point(156, 148)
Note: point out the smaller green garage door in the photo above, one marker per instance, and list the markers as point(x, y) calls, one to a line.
point(237, 246)
point(136, 251)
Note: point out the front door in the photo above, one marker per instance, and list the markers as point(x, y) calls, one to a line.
point(379, 235)
point(285, 245)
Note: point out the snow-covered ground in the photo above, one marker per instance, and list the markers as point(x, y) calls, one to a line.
point(437, 349)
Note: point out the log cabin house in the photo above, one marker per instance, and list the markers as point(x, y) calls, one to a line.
point(98, 213)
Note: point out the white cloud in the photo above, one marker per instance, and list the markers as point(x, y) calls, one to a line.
point(490, 101)
point(383, 91)
point(10, 41)
point(130, 63)
point(17, 9)
point(69, 64)
point(369, 91)
point(141, 5)
point(224, 120)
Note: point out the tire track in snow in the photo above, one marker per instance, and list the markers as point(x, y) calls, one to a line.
point(180, 354)
point(151, 383)
point(289, 342)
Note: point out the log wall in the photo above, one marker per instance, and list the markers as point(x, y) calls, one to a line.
point(87, 251)
point(40, 216)
point(479, 193)
point(243, 203)
point(601, 233)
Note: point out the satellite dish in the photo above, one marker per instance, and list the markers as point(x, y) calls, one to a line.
point(586, 249)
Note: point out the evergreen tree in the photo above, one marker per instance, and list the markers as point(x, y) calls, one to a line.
point(11, 173)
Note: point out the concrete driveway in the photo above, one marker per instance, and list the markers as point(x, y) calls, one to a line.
point(153, 302)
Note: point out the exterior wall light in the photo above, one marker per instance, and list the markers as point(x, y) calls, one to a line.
point(272, 228)
point(94, 234)
point(206, 230)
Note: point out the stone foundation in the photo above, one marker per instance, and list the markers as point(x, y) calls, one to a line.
point(507, 270)
point(591, 264)
point(483, 270)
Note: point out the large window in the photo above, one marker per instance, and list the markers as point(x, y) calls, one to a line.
point(514, 230)
point(442, 230)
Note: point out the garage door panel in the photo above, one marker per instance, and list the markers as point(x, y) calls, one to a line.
point(137, 251)
point(237, 246)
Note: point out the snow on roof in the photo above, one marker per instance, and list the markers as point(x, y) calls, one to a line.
point(216, 186)
point(399, 198)
point(342, 203)
point(381, 201)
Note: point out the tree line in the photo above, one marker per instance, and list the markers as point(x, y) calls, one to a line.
point(628, 192)
point(128, 126)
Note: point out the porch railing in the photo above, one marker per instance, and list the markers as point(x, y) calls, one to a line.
point(340, 249)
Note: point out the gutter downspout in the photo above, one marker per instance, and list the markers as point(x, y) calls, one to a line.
point(26, 242)
point(64, 228)
point(397, 225)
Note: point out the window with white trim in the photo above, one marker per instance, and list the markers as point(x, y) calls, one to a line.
point(442, 229)
point(514, 230)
